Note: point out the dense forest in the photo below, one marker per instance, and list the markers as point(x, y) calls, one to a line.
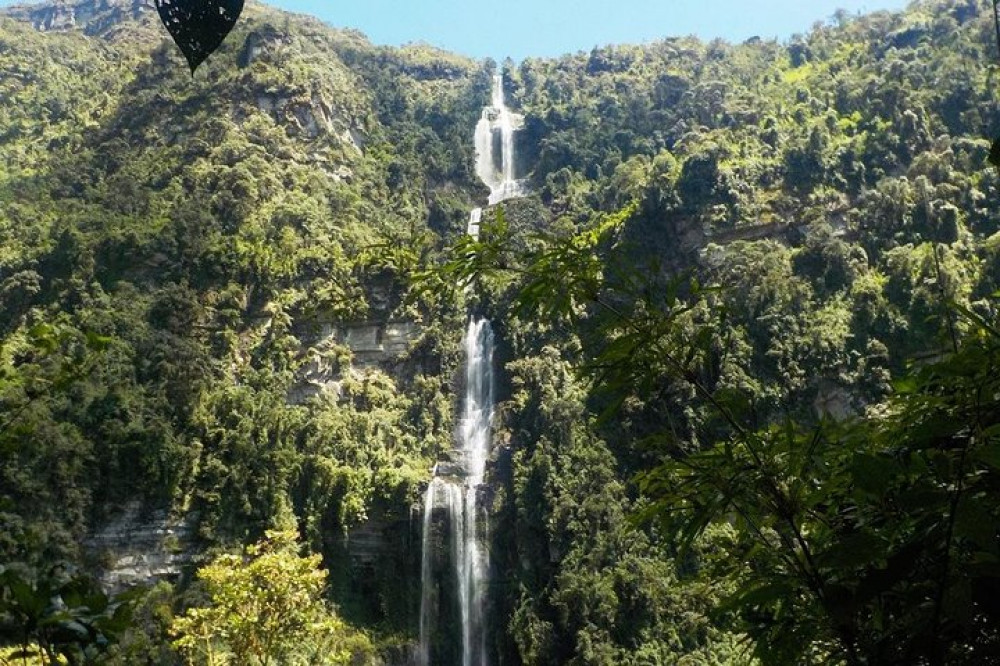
point(748, 326)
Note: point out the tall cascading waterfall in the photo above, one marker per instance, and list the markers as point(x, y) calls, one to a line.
point(454, 490)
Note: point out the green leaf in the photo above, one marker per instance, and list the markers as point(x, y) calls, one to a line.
point(975, 523)
point(872, 474)
point(759, 595)
point(29, 601)
point(976, 319)
point(853, 551)
point(989, 452)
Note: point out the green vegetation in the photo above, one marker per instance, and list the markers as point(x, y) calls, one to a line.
point(266, 608)
point(861, 540)
point(59, 617)
point(770, 271)
point(747, 334)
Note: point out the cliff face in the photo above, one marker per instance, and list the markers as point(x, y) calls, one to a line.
point(92, 17)
point(141, 547)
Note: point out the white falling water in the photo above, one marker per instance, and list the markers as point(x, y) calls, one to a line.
point(475, 217)
point(426, 583)
point(498, 125)
point(455, 486)
point(475, 444)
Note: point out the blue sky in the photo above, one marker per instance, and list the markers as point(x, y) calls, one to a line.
point(520, 28)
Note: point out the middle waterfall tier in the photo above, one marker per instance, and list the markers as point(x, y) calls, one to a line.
point(475, 218)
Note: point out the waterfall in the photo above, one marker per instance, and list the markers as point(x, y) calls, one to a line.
point(495, 157)
point(426, 581)
point(455, 488)
point(475, 217)
point(475, 443)
point(456, 482)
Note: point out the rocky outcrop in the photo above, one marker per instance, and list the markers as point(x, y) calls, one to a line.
point(375, 577)
point(140, 547)
point(834, 402)
point(93, 17)
point(311, 117)
point(308, 112)
point(343, 349)
point(265, 41)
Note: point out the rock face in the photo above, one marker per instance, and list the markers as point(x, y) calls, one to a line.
point(441, 595)
point(141, 547)
point(311, 118)
point(374, 576)
point(312, 111)
point(834, 402)
point(342, 349)
point(91, 16)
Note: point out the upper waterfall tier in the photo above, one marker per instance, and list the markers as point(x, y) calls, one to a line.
point(495, 156)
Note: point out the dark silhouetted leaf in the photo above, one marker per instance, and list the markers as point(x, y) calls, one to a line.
point(761, 595)
point(853, 550)
point(995, 153)
point(977, 524)
point(989, 453)
point(871, 473)
point(199, 26)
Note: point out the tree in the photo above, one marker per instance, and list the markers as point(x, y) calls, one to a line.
point(266, 606)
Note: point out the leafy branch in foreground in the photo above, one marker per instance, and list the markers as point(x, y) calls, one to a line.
point(60, 615)
point(875, 539)
point(199, 26)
